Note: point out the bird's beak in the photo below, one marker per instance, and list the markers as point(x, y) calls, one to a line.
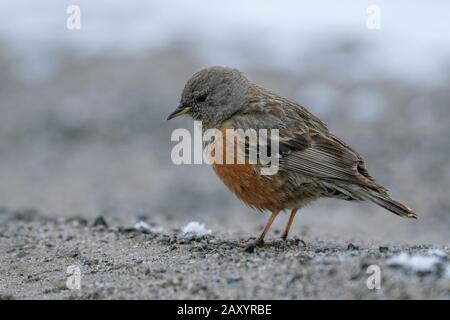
point(181, 109)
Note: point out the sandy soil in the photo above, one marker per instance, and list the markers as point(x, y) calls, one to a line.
point(117, 263)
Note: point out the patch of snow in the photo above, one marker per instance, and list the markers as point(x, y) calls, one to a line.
point(437, 253)
point(447, 272)
point(194, 228)
point(416, 262)
point(145, 228)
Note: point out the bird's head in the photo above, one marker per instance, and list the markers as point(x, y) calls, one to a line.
point(213, 95)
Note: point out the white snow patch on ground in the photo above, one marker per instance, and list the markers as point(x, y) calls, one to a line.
point(146, 228)
point(195, 228)
point(447, 272)
point(437, 253)
point(418, 262)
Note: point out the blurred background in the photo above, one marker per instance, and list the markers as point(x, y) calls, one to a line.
point(82, 112)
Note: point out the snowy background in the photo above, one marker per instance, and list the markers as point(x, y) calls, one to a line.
point(82, 113)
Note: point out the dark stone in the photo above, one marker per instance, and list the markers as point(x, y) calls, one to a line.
point(383, 249)
point(165, 240)
point(250, 248)
point(233, 279)
point(100, 221)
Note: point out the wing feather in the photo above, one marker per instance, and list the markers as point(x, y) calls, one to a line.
point(325, 157)
point(306, 145)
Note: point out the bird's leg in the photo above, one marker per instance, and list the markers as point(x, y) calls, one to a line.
point(289, 224)
point(260, 240)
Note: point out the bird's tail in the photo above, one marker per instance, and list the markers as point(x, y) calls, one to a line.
point(383, 200)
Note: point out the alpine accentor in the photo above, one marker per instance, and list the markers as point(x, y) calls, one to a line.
point(313, 163)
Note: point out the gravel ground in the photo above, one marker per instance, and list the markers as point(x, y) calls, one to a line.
point(123, 263)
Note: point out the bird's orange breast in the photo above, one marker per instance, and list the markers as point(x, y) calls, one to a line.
point(245, 181)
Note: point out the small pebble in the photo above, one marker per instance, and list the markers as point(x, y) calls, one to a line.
point(233, 279)
point(383, 249)
point(279, 242)
point(166, 240)
point(100, 221)
point(250, 248)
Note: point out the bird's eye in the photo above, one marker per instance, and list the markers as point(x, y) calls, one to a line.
point(202, 98)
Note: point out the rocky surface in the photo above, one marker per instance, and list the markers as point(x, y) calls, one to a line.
point(117, 262)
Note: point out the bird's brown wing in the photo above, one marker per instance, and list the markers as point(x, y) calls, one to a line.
point(307, 148)
point(313, 153)
point(306, 145)
point(330, 159)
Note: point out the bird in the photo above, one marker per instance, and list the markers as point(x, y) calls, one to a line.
point(313, 162)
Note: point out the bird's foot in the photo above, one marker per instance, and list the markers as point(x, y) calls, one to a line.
point(298, 241)
point(259, 242)
point(293, 241)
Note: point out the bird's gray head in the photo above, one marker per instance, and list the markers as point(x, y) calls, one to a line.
point(213, 95)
